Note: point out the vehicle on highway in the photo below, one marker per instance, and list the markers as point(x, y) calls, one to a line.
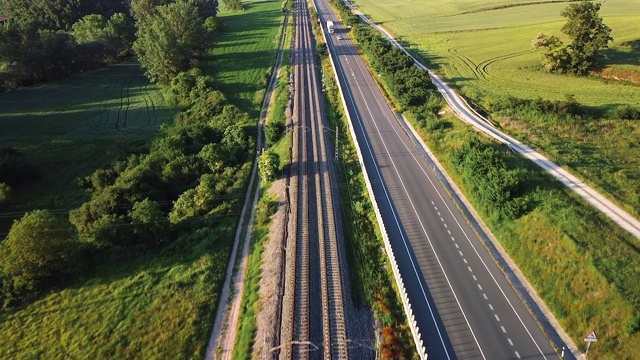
point(330, 26)
point(339, 37)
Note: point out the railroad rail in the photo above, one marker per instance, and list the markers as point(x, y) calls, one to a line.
point(312, 236)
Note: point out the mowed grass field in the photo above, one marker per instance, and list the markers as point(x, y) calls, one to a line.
point(245, 51)
point(483, 47)
point(158, 305)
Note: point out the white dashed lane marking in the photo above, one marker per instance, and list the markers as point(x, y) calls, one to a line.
point(484, 295)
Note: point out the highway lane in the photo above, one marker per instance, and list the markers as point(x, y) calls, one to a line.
point(465, 307)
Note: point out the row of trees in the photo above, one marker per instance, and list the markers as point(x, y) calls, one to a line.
point(36, 49)
point(45, 40)
point(410, 85)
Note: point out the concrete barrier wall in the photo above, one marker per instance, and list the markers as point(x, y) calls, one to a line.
point(415, 330)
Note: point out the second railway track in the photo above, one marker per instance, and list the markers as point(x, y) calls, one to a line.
point(313, 279)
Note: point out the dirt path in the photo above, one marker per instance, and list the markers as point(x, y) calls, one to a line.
point(223, 334)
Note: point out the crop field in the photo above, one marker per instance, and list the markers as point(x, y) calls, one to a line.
point(114, 102)
point(484, 46)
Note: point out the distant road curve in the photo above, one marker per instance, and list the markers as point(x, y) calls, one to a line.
point(467, 114)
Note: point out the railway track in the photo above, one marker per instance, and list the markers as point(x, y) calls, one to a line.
point(312, 269)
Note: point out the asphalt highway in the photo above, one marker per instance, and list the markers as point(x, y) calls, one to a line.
point(464, 305)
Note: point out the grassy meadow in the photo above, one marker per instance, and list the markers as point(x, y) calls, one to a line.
point(243, 57)
point(483, 47)
point(157, 304)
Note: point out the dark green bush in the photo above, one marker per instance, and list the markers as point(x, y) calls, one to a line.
point(626, 112)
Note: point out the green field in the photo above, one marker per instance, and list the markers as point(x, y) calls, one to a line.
point(245, 51)
point(150, 303)
point(483, 47)
point(69, 128)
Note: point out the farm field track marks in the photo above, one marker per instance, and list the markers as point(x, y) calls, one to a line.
point(482, 69)
point(484, 65)
point(124, 97)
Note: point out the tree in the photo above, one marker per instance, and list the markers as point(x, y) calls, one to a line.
point(59, 14)
point(5, 192)
point(38, 246)
point(588, 33)
point(207, 8)
point(168, 42)
point(121, 33)
point(90, 28)
point(233, 5)
point(150, 225)
point(268, 164)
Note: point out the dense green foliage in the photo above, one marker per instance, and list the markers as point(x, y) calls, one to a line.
point(588, 35)
point(31, 52)
point(169, 40)
point(59, 14)
point(498, 187)
point(233, 5)
point(268, 165)
point(39, 247)
point(406, 83)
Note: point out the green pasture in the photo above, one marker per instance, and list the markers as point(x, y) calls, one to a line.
point(245, 51)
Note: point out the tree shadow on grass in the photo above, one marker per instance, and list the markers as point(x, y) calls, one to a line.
point(628, 53)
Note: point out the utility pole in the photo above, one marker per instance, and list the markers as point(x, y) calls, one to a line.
point(337, 134)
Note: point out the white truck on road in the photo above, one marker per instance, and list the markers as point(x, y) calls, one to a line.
point(330, 26)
